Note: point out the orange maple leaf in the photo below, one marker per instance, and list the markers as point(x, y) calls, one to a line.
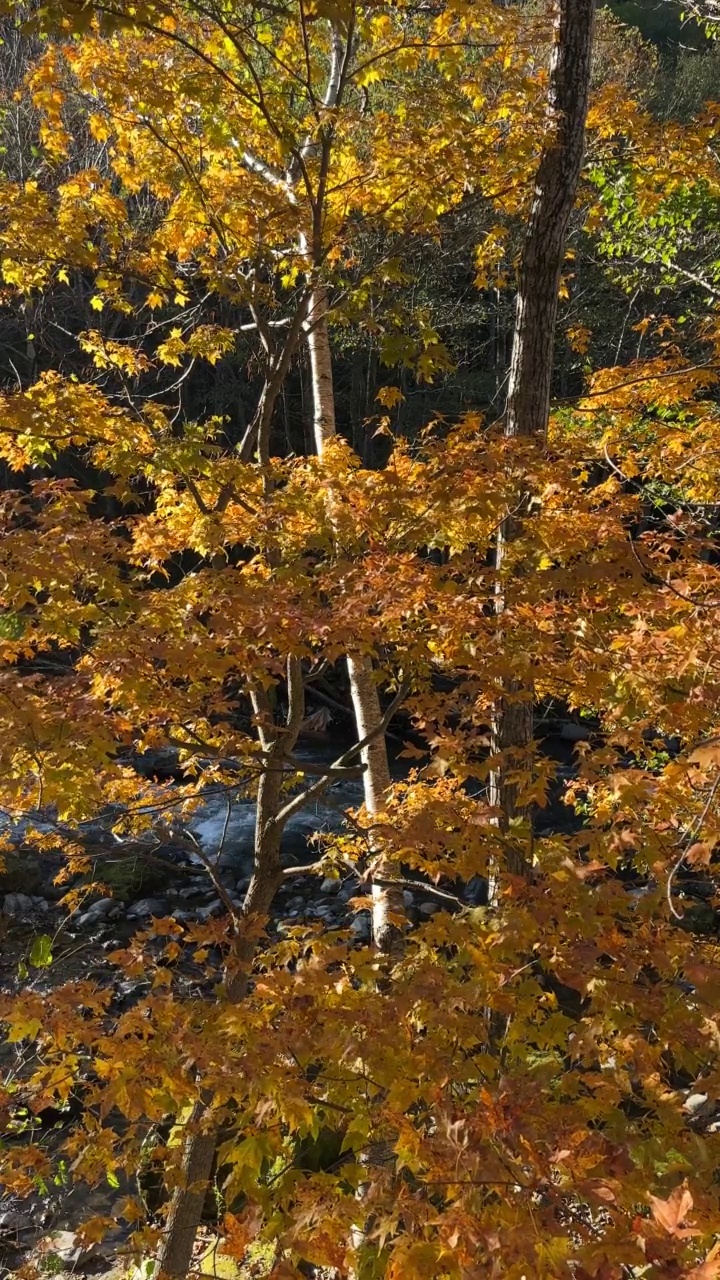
point(671, 1213)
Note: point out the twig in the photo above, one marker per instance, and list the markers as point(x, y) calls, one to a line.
point(665, 582)
point(330, 701)
point(711, 365)
point(415, 884)
point(317, 788)
point(219, 887)
point(692, 834)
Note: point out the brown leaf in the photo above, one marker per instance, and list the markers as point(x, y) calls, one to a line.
point(559, 1156)
point(604, 1192)
point(238, 1232)
point(699, 854)
point(671, 1213)
point(707, 754)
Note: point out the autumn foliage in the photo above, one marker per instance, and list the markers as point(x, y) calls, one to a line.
point(508, 1090)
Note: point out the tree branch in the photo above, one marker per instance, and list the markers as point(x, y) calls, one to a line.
point(318, 788)
point(689, 840)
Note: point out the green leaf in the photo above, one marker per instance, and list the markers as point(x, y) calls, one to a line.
point(12, 625)
point(41, 952)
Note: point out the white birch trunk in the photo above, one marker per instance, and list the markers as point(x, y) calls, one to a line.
point(387, 899)
point(321, 377)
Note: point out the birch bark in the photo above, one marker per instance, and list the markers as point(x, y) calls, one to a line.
point(387, 900)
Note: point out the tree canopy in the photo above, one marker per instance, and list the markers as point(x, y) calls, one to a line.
point(258, 271)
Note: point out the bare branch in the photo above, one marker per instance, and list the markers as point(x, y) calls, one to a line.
point(258, 430)
point(269, 324)
point(211, 868)
point(257, 165)
point(318, 788)
point(689, 839)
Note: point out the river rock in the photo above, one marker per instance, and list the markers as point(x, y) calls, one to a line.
point(330, 885)
point(190, 891)
point(476, 891)
point(360, 927)
point(67, 1248)
point(163, 763)
point(212, 909)
point(698, 1105)
point(19, 906)
point(227, 861)
point(572, 732)
point(323, 912)
point(184, 917)
point(13, 1221)
point(97, 912)
point(428, 908)
point(333, 907)
point(147, 907)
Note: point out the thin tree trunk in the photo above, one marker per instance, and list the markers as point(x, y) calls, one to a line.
point(370, 385)
point(30, 348)
point(321, 374)
point(356, 398)
point(257, 434)
point(174, 1254)
point(273, 811)
point(387, 900)
point(531, 369)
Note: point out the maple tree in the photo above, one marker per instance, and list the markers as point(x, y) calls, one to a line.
point(508, 1089)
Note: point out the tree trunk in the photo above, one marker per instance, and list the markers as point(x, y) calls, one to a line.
point(174, 1254)
point(387, 899)
point(528, 401)
point(321, 375)
point(357, 396)
point(30, 348)
point(531, 369)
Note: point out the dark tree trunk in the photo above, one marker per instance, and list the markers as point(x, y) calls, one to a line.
point(528, 402)
point(531, 369)
point(357, 396)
